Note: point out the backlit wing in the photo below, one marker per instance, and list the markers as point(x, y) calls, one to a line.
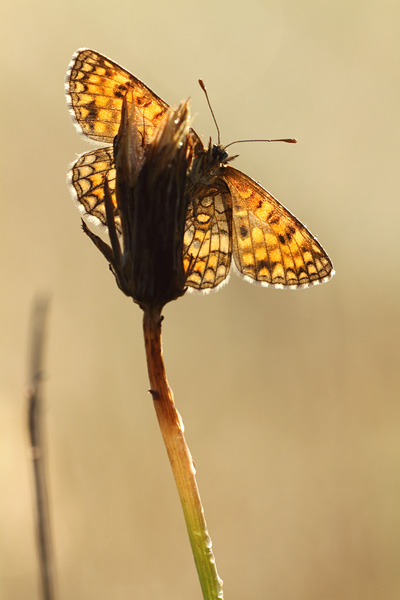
point(87, 177)
point(270, 245)
point(95, 87)
point(207, 242)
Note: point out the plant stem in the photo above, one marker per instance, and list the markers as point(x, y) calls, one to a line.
point(180, 458)
point(34, 409)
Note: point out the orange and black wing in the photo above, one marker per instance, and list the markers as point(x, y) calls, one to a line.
point(95, 87)
point(87, 178)
point(270, 245)
point(207, 242)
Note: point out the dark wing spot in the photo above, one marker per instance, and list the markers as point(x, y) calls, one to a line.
point(273, 218)
point(243, 231)
point(282, 239)
point(142, 101)
point(263, 264)
point(121, 90)
point(92, 111)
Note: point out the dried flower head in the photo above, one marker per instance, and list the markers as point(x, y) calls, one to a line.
point(147, 258)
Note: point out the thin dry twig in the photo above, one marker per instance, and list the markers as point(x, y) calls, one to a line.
point(34, 410)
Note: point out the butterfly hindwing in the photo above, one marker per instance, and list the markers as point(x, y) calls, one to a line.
point(207, 241)
point(87, 178)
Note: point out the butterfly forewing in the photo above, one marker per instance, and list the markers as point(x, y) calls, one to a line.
point(95, 88)
point(270, 245)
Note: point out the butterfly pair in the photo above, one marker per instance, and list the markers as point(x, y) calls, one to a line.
point(229, 214)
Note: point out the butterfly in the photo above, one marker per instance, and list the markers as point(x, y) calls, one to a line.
point(229, 215)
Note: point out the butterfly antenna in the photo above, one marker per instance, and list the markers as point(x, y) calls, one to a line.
point(287, 140)
point(203, 87)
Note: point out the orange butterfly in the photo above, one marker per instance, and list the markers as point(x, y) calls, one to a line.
point(228, 213)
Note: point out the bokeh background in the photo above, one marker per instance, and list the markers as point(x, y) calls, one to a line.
point(290, 399)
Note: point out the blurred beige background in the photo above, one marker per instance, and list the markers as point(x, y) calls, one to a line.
point(290, 399)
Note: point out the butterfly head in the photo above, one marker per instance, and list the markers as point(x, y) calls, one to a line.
point(219, 154)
